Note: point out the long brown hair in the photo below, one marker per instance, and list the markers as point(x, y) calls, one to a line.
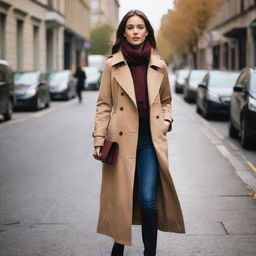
point(121, 28)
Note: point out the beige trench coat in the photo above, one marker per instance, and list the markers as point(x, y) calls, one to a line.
point(117, 119)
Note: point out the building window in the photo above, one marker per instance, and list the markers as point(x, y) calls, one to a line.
point(36, 47)
point(216, 57)
point(95, 4)
point(2, 36)
point(49, 49)
point(233, 55)
point(242, 5)
point(19, 44)
point(226, 56)
point(95, 18)
point(50, 3)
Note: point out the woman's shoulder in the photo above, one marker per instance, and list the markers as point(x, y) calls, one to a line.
point(159, 60)
point(114, 59)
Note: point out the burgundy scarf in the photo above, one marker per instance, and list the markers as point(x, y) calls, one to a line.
point(138, 63)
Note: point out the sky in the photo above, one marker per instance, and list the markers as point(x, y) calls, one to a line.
point(154, 9)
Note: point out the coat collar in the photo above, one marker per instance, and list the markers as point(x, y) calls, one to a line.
point(123, 75)
point(118, 58)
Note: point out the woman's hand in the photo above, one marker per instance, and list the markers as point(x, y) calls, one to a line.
point(167, 126)
point(96, 152)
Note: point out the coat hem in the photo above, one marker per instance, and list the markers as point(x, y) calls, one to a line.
point(119, 241)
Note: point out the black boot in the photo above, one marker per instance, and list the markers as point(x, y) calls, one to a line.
point(117, 250)
point(149, 220)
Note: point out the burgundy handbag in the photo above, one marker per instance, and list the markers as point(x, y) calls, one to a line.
point(108, 152)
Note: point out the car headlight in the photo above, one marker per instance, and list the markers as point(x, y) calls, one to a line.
point(252, 104)
point(62, 86)
point(31, 92)
point(213, 96)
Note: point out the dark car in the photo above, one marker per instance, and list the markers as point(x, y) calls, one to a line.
point(62, 84)
point(214, 93)
point(31, 90)
point(181, 76)
point(93, 76)
point(195, 77)
point(7, 96)
point(243, 108)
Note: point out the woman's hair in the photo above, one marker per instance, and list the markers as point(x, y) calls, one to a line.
point(121, 29)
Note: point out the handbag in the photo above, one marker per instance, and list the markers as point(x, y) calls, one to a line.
point(108, 152)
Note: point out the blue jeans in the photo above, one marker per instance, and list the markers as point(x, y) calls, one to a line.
point(147, 173)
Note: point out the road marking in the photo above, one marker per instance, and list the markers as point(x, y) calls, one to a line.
point(38, 114)
point(242, 171)
point(45, 112)
point(216, 132)
point(251, 165)
point(233, 146)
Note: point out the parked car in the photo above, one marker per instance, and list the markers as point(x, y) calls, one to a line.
point(31, 90)
point(97, 61)
point(7, 96)
point(62, 84)
point(181, 76)
point(194, 78)
point(214, 93)
point(243, 108)
point(93, 76)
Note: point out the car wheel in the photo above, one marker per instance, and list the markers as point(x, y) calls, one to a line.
point(198, 110)
point(244, 136)
point(206, 113)
point(185, 95)
point(48, 104)
point(8, 114)
point(233, 132)
point(67, 95)
point(177, 90)
point(37, 103)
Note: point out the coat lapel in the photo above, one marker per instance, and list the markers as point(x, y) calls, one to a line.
point(123, 76)
point(155, 77)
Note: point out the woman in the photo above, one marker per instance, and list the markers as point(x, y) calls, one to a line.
point(81, 76)
point(134, 109)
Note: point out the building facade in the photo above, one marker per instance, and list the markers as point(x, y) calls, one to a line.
point(33, 35)
point(77, 33)
point(105, 12)
point(230, 43)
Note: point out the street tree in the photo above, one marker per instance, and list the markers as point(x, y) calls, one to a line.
point(101, 40)
point(183, 26)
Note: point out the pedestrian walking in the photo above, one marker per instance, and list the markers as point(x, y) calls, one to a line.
point(81, 76)
point(134, 110)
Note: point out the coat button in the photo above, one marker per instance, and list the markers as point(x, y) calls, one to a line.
point(121, 108)
point(120, 133)
point(122, 93)
point(157, 117)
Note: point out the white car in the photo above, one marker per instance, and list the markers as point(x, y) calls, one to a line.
point(93, 76)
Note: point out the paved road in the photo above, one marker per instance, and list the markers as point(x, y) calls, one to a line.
point(49, 187)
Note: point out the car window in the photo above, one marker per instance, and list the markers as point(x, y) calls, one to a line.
point(58, 77)
point(26, 78)
point(223, 79)
point(197, 75)
point(183, 73)
point(253, 83)
point(2, 76)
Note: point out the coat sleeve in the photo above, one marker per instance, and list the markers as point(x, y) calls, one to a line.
point(166, 98)
point(103, 107)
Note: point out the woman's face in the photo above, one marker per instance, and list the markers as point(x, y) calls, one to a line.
point(135, 31)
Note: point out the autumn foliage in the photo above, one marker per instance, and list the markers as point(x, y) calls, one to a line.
point(181, 27)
